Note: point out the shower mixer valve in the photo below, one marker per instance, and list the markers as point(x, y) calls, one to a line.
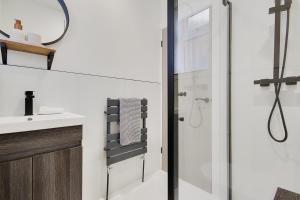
point(280, 8)
point(182, 94)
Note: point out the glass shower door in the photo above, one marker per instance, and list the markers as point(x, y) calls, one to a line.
point(193, 77)
point(194, 83)
point(202, 157)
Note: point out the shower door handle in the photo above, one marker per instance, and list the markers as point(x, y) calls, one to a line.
point(181, 119)
point(182, 94)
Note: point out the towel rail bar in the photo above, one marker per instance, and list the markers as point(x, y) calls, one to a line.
point(115, 152)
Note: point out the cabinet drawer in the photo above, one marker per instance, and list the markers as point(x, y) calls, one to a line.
point(16, 180)
point(58, 175)
point(15, 146)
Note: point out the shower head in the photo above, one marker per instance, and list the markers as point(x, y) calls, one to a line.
point(206, 100)
point(288, 2)
point(226, 2)
point(283, 2)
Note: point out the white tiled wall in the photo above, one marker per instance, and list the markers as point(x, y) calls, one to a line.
point(87, 95)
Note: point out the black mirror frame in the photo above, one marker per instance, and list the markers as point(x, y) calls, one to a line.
point(66, 12)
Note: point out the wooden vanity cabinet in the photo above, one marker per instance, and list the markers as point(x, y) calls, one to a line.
point(41, 165)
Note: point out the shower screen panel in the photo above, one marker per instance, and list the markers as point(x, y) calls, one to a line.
point(200, 85)
point(194, 108)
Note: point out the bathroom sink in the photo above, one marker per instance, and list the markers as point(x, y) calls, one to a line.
point(38, 122)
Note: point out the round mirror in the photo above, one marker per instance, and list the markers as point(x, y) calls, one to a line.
point(47, 20)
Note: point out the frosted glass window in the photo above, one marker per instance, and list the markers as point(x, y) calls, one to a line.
point(194, 42)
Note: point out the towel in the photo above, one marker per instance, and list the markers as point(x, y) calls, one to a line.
point(130, 121)
point(44, 110)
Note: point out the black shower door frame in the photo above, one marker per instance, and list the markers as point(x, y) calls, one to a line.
point(173, 177)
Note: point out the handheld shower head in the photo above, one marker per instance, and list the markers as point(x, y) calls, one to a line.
point(283, 2)
point(225, 2)
point(206, 100)
point(288, 1)
point(280, 6)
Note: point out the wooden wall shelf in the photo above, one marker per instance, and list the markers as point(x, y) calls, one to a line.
point(27, 48)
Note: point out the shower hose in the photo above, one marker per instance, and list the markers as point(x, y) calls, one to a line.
point(277, 87)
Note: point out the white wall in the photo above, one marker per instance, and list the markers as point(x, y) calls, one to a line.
point(115, 38)
point(259, 164)
point(1, 10)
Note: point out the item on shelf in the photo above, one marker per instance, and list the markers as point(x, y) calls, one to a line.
point(17, 33)
point(34, 38)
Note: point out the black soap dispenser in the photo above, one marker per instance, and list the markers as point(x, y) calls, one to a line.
point(29, 103)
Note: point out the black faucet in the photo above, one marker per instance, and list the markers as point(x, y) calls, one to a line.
point(29, 103)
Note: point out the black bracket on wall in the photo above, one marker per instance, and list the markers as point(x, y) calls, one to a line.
point(4, 53)
point(50, 58)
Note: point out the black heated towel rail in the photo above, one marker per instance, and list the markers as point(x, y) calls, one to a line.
point(115, 152)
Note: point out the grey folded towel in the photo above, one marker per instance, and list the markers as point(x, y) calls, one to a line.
point(130, 121)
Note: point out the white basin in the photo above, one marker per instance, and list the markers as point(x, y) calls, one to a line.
point(38, 122)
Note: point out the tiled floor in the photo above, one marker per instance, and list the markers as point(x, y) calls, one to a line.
point(156, 188)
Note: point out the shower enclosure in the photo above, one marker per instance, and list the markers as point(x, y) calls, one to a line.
point(198, 82)
point(218, 145)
